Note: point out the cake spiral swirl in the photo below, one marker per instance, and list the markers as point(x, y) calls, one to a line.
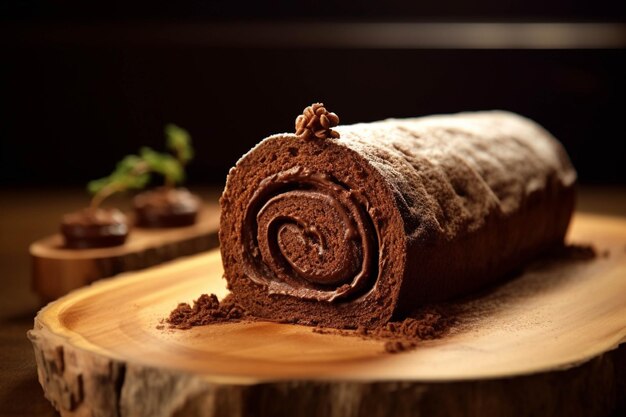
point(309, 236)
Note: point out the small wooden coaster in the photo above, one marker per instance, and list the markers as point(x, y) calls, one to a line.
point(58, 270)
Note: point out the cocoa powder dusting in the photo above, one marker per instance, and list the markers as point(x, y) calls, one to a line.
point(206, 310)
point(398, 336)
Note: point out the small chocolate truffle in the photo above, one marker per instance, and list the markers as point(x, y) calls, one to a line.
point(94, 228)
point(166, 207)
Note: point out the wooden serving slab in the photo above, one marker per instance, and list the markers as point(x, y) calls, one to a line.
point(545, 343)
point(57, 270)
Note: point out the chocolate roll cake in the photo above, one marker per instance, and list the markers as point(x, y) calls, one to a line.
point(360, 224)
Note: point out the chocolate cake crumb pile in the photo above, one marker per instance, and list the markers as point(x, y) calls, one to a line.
point(575, 252)
point(206, 310)
point(406, 334)
point(400, 336)
point(316, 122)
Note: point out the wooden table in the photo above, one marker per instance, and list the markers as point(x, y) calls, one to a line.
point(26, 215)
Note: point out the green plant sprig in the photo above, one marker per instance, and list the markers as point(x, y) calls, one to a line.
point(130, 173)
point(179, 142)
point(134, 171)
point(163, 164)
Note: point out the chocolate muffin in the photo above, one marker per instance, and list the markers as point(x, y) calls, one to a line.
point(94, 228)
point(166, 207)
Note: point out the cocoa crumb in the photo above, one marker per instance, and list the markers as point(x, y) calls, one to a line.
point(399, 336)
point(425, 324)
point(576, 252)
point(397, 346)
point(361, 331)
point(326, 330)
point(206, 310)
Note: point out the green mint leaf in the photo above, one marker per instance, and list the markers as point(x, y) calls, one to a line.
point(132, 181)
point(95, 186)
point(179, 141)
point(164, 164)
point(128, 174)
point(128, 164)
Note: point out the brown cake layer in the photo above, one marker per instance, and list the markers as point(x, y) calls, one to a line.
point(392, 215)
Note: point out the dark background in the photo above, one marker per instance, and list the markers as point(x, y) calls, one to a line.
point(81, 85)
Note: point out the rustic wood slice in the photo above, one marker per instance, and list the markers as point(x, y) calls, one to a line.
point(545, 343)
point(57, 270)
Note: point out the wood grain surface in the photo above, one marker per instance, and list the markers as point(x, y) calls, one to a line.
point(544, 343)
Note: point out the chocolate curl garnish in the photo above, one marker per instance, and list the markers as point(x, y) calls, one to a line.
point(316, 122)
